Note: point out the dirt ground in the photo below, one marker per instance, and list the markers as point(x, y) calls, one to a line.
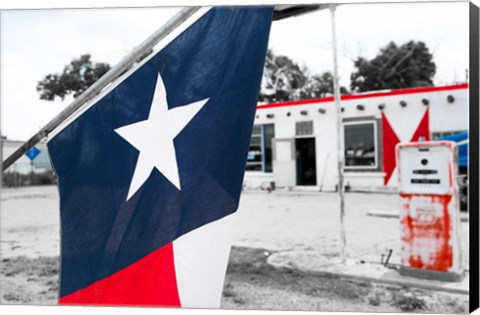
point(267, 224)
point(251, 283)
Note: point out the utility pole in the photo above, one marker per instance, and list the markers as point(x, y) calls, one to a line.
point(1, 135)
point(340, 154)
point(1, 155)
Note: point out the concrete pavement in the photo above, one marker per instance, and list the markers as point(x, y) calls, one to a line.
point(299, 229)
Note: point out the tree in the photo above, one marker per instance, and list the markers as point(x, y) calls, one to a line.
point(322, 85)
point(410, 65)
point(282, 79)
point(76, 77)
point(285, 80)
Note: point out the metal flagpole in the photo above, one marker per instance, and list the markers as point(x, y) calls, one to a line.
point(340, 154)
point(97, 87)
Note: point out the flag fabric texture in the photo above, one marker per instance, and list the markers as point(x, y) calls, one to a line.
point(150, 174)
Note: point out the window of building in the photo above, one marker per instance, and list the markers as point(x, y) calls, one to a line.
point(304, 128)
point(360, 145)
point(260, 151)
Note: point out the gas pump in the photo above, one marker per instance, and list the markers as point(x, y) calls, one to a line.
point(429, 211)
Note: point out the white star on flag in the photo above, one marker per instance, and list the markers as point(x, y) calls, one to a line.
point(153, 138)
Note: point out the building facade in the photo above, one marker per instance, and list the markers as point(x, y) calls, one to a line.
point(294, 143)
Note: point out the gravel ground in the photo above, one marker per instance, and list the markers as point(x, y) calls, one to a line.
point(251, 283)
point(311, 222)
point(30, 222)
point(277, 222)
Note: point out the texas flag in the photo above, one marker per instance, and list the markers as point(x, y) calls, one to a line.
point(150, 172)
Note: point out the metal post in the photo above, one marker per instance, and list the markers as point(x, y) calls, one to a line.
point(340, 154)
point(1, 135)
point(1, 155)
point(31, 172)
point(97, 87)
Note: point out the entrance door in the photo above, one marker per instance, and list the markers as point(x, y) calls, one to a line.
point(284, 162)
point(305, 162)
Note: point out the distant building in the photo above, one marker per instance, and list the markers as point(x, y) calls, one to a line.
point(293, 144)
point(40, 164)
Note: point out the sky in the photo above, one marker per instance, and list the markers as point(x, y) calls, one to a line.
point(38, 42)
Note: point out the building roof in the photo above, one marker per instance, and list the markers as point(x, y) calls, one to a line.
point(365, 95)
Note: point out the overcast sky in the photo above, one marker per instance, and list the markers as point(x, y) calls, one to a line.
point(37, 42)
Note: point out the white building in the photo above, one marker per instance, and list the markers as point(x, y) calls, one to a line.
point(294, 144)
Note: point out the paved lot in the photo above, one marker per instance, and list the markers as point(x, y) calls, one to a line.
point(311, 222)
point(29, 222)
point(278, 221)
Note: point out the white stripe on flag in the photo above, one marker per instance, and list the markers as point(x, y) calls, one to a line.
point(201, 258)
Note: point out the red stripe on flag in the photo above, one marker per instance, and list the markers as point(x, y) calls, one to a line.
point(389, 141)
point(423, 129)
point(149, 282)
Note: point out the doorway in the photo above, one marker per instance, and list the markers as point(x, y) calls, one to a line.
point(305, 162)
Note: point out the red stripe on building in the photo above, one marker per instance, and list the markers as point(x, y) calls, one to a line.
point(423, 129)
point(367, 95)
point(389, 141)
point(149, 282)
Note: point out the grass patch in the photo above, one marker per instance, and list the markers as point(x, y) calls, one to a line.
point(29, 281)
point(250, 265)
point(251, 283)
point(408, 303)
point(248, 271)
point(42, 266)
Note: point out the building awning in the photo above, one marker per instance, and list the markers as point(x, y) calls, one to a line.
point(288, 10)
point(462, 141)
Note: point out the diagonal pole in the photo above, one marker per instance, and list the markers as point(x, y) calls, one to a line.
point(98, 86)
point(340, 156)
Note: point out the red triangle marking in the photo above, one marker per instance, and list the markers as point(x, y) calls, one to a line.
point(389, 141)
point(423, 129)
